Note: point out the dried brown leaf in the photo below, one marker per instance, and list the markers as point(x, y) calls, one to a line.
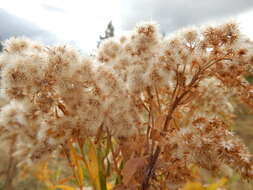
point(131, 168)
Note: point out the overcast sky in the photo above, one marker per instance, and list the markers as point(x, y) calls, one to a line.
point(80, 22)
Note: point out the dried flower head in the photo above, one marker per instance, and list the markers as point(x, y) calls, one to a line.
point(166, 101)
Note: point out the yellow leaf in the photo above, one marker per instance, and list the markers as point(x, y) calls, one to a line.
point(193, 186)
point(43, 174)
point(64, 187)
point(76, 161)
point(92, 166)
point(198, 186)
point(195, 171)
point(216, 186)
point(109, 186)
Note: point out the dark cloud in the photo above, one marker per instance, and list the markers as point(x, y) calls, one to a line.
point(11, 25)
point(174, 14)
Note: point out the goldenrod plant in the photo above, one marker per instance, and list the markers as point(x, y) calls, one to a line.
point(141, 114)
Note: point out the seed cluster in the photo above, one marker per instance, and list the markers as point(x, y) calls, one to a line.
point(176, 94)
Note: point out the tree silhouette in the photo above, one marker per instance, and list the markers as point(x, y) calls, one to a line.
point(109, 32)
point(1, 46)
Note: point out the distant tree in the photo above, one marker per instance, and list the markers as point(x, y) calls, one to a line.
point(109, 32)
point(1, 46)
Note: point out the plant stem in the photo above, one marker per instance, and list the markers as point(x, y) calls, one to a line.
point(196, 78)
point(11, 171)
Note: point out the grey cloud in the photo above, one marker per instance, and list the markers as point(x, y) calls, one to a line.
point(11, 25)
point(174, 14)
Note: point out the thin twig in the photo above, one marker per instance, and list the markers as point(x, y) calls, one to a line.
point(113, 153)
point(11, 171)
point(158, 99)
point(176, 102)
